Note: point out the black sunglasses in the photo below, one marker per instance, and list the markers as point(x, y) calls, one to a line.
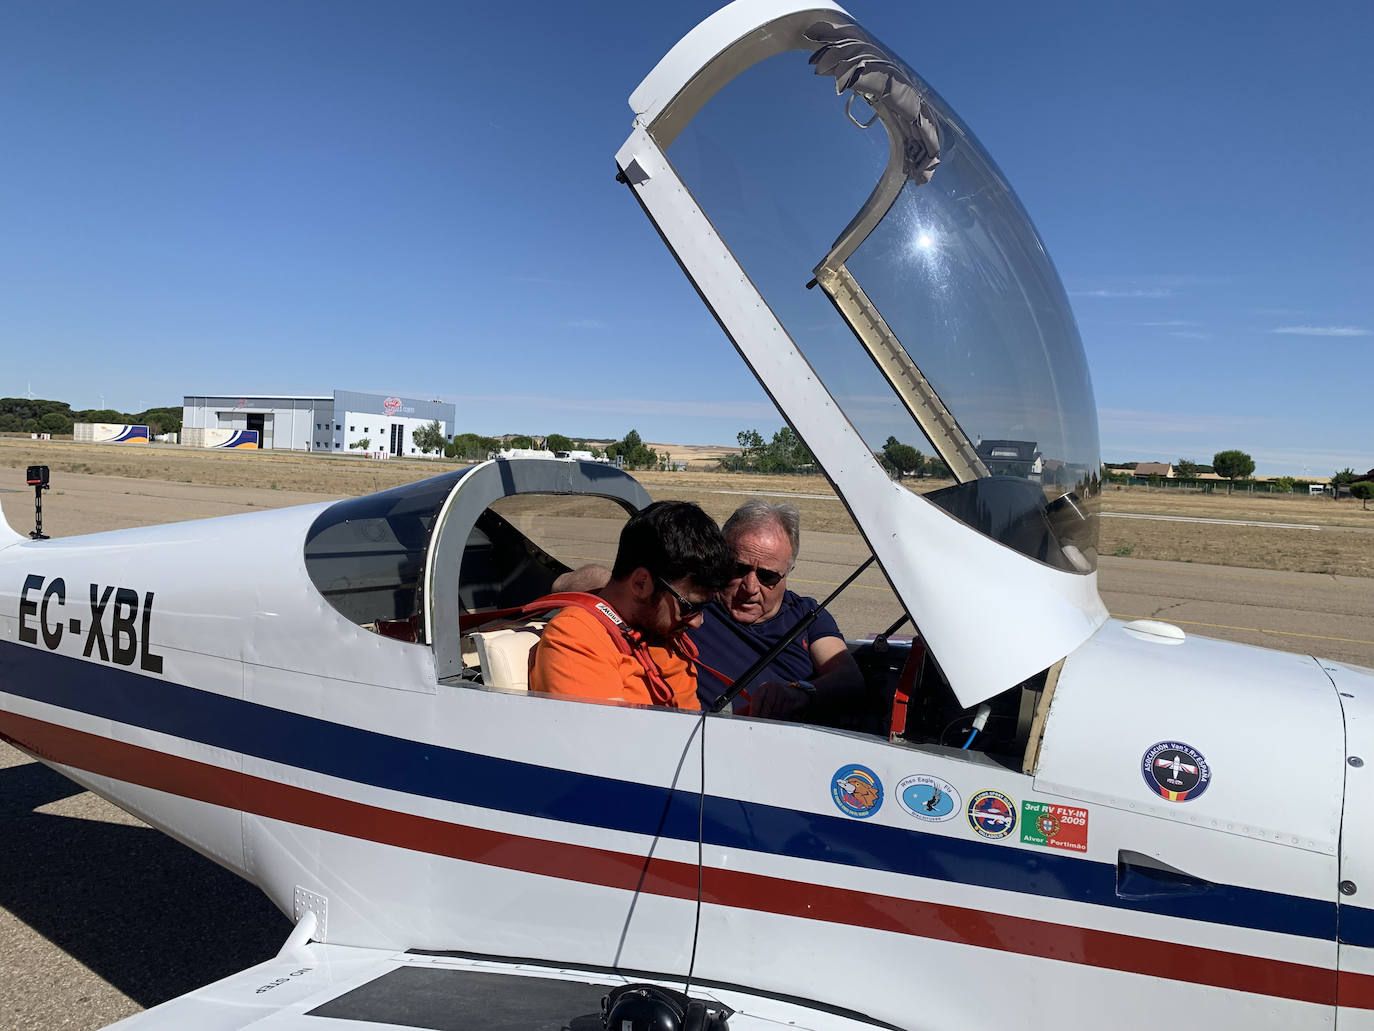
point(686, 609)
point(767, 577)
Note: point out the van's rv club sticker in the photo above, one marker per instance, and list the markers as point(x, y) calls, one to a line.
point(1175, 772)
point(1054, 826)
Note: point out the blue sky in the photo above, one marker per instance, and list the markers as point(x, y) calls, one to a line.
point(418, 198)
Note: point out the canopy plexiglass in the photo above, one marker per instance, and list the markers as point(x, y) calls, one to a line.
point(880, 277)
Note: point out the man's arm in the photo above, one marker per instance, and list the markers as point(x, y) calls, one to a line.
point(837, 676)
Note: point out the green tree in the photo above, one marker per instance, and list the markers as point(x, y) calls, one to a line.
point(429, 437)
point(1341, 479)
point(469, 447)
point(361, 444)
point(520, 441)
point(1232, 465)
point(900, 459)
point(160, 420)
point(56, 422)
point(784, 454)
point(750, 443)
point(1284, 484)
point(558, 442)
point(633, 452)
point(1364, 490)
point(1185, 468)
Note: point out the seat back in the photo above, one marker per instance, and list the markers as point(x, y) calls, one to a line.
point(506, 655)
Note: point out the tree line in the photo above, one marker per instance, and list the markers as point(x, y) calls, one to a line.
point(1234, 464)
point(38, 415)
point(475, 447)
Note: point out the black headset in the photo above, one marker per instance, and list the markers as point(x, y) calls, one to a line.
point(647, 1007)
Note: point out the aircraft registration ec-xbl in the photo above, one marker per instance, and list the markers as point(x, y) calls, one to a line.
point(1147, 829)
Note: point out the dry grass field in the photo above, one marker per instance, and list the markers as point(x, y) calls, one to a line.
point(1344, 542)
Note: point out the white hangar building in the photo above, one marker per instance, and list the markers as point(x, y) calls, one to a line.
point(333, 423)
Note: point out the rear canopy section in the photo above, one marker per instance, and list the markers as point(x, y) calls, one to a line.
point(408, 562)
point(879, 277)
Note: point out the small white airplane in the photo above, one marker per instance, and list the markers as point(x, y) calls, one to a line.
point(301, 696)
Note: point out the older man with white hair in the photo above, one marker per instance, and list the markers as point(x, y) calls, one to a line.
point(814, 678)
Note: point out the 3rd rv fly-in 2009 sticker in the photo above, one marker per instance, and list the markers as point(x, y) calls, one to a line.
point(1054, 826)
point(928, 798)
point(1175, 772)
point(857, 791)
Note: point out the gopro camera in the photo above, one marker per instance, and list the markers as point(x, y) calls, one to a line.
point(38, 476)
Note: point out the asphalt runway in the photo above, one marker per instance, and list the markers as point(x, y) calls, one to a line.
point(100, 916)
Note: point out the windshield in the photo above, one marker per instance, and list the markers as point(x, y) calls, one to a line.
point(898, 259)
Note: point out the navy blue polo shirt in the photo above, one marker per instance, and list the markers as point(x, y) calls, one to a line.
point(732, 647)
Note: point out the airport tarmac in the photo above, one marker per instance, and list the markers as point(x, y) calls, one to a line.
point(101, 916)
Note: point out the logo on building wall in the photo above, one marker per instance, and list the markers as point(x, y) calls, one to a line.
point(391, 405)
point(241, 403)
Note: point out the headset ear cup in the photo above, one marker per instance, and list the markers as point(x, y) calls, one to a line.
point(696, 1017)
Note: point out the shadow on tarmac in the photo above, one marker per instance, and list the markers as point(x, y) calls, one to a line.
point(141, 910)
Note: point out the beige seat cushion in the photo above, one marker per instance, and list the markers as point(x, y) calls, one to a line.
point(506, 655)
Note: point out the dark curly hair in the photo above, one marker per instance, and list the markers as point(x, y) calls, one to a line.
point(673, 540)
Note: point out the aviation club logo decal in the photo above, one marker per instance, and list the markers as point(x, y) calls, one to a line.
point(390, 405)
point(992, 814)
point(1054, 826)
point(857, 791)
point(1175, 772)
point(928, 798)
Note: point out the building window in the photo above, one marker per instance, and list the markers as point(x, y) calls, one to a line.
point(367, 429)
point(337, 444)
point(352, 429)
point(337, 426)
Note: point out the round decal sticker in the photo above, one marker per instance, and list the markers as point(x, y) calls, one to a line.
point(1048, 825)
point(857, 791)
point(928, 798)
point(1175, 772)
point(992, 814)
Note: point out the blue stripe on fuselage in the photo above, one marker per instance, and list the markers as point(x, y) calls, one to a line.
point(433, 771)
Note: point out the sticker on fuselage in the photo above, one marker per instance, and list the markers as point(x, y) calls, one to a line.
point(928, 798)
point(1054, 826)
point(857, 791)
point(1175, 772)
point(992, 814)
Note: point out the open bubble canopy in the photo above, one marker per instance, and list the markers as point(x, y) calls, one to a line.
point(878, 274)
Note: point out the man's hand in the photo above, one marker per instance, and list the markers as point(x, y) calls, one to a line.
point(779, 700)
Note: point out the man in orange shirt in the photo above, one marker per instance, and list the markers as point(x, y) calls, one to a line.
point(630, 645)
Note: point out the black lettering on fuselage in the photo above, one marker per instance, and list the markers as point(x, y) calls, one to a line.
point(28, 634)
point(149, 660)
point(123, 635)
point(128, 636)
point(95, 636)
point(52, 633)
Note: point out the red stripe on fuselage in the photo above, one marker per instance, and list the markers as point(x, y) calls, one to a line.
point(739, 889)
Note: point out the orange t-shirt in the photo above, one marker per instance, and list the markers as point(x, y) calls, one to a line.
point(577, 658)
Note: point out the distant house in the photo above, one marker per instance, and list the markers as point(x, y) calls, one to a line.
point(1148, 469)
point(1012, 458)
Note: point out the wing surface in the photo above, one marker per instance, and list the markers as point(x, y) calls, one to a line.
point(319, 987)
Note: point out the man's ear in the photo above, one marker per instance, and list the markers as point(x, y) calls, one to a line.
point(642, 584)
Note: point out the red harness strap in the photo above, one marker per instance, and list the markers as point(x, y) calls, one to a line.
point(901, 698)
point(629, 641)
